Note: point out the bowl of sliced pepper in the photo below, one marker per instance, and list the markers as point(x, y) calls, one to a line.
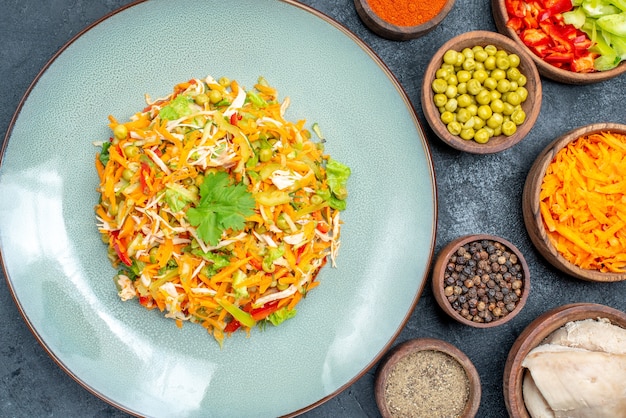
point(574, 199)
point(571, 41)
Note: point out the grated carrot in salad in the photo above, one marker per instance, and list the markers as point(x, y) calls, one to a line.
point(583, 202)
point(216, 209)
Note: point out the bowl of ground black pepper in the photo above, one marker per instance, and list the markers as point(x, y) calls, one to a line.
point(481, 280)
point(401, 20)
point(427, 377)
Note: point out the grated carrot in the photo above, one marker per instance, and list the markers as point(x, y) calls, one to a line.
point(583, 202)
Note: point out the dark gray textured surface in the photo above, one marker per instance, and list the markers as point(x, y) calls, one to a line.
point(477, 194)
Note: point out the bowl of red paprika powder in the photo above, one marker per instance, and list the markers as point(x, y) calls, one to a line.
point(401, 20)
point(561, 51)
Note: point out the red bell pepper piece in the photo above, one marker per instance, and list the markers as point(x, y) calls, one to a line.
point(264, 311)
point(234, 118)
point(515, 8)
point(232, 326)
point(534, 37)
point(120, 249)
point(143, 177)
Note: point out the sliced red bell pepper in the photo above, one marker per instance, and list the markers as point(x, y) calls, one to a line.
point(144, 174)
point(234, 118)
point(120, 249)
point(232, 326)
point(584, 64)
point(264, 311)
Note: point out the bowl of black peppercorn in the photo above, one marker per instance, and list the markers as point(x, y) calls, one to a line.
point(481, 280)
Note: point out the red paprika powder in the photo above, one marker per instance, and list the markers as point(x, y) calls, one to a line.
point(406, 12)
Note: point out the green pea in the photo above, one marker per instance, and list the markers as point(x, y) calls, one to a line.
point(440, 99)
point(282, 223)
point(469, 64)
point(514, 98)
point(490, 83)
point(480, 75)
point(120, 131)
point(480, 55)
point(523, 93)
point(454, 127)
point(224, 81)
point(131, 151)
point(265, 154)
point(522, 80)
point(490, 49)
point(508, 108)
point(461, 88)
point(474, 87)
point(439, 85)
point(467, 134)
point(498, 74)
point(473, 109)
point(495, 120)
point(504, 85)
point(497, 106)
point(514, 85)
point(500, 53)
point(484, 112)
point(449, 57)
point(442, 73)
point(502, 62)
point(460, 58)
point(464, 100)
point(490, 63)
point(452, 80)
point(513, 73)
point(201, 99)
point(514, 60)
point(518, 116)
point(509, 128)
point(215, 96)
point(463, 115)
point(448, 67)
point(469, 123)
point(451, 91)
point(451, 105)
point(483, 97)
point(478, 122)
point(479, 66)
point(495, 95)
point(153, 253)
point(447, 117)
point(127, 174)
point(477, 48)
point(497, 131)
point(482, 136)
point(467, 53)
point(464, 76)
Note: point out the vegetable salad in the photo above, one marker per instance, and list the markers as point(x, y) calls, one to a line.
point(216, 209)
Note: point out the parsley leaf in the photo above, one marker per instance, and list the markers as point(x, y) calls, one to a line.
point(222, 206)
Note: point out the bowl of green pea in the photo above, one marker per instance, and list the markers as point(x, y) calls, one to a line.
point(481, 92)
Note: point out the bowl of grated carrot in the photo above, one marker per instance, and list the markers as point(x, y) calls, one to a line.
point(574, 201)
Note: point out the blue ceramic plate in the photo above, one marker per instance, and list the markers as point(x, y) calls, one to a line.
point(56, 264)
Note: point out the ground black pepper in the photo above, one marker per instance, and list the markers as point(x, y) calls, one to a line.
point(483, 281)
point(427, 383)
